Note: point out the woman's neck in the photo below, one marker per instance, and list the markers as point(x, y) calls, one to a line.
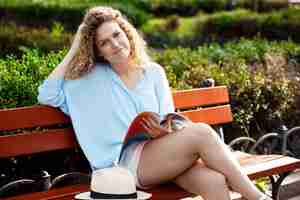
point(129, 74)
point(123, 68)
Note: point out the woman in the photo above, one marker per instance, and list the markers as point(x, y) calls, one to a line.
point(104, 81)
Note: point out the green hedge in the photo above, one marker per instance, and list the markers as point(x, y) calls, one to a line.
point(222, 27)
point(70, 12)
point(263, 78)
point(172, 31)
point(67, 12)
point(282, 25)
point(14, 39)
point(192, 7)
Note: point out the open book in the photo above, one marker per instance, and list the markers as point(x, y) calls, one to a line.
point(171, 122)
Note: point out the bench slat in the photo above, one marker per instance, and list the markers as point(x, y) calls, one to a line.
point(212, 115)
point(14, 145)
point(25, 144)
point(265, 165)
point(31, 116)
point(200, 97)
point(40, 115)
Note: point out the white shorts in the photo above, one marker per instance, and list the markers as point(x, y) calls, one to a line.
point(130, 160)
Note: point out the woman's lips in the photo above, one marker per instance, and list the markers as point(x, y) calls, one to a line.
point(117, 51)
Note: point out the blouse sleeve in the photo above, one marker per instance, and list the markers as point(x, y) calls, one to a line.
point(163, 92)
point(51, 93)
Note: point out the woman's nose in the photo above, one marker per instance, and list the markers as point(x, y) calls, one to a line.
point(114, 43)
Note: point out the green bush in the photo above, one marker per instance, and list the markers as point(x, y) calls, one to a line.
point(67, 12)
point(168, 7)
point(19, 78)
point(192, 7)
point(264, 5)
point(14, 39)
point(262, 79)
point(213, 5)
point(224, 26)
point(279, 25)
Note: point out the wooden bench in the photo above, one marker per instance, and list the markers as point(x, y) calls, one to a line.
point(214, 110)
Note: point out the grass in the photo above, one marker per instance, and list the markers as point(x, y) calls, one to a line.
point(186, 27)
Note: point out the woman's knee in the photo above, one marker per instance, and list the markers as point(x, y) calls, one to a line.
point(201, 132)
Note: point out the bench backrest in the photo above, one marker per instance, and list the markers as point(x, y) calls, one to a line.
point(48, 129)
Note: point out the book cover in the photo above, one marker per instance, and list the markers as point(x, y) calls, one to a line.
point(170, 122)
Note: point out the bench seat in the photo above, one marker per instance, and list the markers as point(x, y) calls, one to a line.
point(255, 166)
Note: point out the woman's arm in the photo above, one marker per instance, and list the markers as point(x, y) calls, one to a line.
point(165, 101)
point(60, 70)
point(163, 92)
point(51, 92)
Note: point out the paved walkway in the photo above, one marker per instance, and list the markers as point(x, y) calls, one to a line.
point(291, 187)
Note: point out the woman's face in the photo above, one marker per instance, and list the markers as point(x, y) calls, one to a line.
point(112, 42)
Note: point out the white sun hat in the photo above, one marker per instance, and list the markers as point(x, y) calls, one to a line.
point(113, 183)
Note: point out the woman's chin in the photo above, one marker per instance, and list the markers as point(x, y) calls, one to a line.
point(120, 59)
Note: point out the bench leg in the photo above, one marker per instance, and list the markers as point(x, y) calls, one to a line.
point(276, 182)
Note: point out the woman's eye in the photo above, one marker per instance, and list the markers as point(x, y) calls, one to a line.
point(103, 43)
point(116, 34)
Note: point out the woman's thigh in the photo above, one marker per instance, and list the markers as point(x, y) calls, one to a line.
point(165, 158)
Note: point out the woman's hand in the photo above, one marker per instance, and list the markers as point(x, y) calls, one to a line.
point(151, 124)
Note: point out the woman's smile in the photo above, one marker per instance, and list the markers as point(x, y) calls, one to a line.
point(118, 51)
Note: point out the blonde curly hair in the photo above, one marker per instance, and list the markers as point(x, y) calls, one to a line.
point(87, 54)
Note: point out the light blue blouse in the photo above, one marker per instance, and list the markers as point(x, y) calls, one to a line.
point(101, 107)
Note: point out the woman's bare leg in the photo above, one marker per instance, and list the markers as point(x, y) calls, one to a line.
point(172, 156)
point(210, 184)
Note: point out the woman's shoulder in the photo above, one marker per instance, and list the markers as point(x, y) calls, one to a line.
point(99, 72)
point(154, 68)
